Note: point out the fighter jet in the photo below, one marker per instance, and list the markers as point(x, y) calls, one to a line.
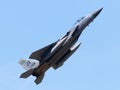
point(55, 54)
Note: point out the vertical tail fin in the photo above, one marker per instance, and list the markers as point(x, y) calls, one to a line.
point(39, 79)
point(28, 64)
point(27, 73)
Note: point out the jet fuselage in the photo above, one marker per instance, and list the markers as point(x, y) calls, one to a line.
point(70, 39)
point(55, 54)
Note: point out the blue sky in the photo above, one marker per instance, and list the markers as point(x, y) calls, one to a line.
point(27, 25)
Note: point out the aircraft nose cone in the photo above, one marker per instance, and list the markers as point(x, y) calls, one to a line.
point(97, 12)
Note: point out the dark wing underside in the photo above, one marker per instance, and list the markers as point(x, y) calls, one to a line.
point(41, 53)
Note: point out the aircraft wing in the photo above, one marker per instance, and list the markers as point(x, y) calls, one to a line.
point(41, 53)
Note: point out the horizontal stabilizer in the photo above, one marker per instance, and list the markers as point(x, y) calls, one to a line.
point(39, 79)
point(27, 73)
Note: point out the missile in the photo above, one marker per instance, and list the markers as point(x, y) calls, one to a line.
point(70, 35)
point(58, 45)
point(56, 48)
